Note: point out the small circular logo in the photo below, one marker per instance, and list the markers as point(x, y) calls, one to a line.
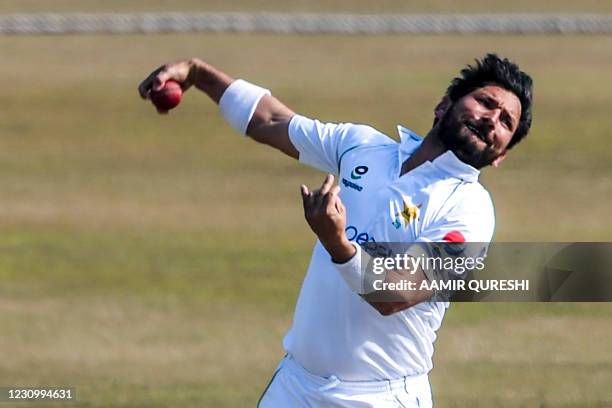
point(361, 170)
point(358, 172)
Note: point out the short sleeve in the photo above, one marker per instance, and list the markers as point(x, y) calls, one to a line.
point(322, 145)
point(472, 220)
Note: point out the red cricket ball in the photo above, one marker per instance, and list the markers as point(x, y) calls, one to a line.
point(168, 97)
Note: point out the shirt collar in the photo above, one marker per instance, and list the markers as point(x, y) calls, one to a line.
point(449, 163)
point(409, 142)
point(446, 162)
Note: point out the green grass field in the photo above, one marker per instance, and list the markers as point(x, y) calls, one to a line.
point(153, 261)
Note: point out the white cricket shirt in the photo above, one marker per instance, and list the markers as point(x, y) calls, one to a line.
point(335, 331)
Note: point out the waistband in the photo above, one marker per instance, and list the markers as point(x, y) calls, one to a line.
point(415, 382)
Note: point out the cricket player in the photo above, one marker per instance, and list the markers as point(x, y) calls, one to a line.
point(347, 347)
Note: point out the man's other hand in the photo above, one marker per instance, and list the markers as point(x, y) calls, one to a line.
point(326, 216)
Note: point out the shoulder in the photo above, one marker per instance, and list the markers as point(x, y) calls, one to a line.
point(359, 135)
point(347, 134)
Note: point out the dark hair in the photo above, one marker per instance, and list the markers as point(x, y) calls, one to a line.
point(502, 72)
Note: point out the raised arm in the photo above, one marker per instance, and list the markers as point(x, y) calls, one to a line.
point(269, 123)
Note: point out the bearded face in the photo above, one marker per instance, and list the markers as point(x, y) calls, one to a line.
point(478, 127)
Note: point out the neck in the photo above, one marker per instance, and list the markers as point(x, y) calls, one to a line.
point(431, 148)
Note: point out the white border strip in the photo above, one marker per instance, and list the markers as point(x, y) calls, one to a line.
point(19, 24)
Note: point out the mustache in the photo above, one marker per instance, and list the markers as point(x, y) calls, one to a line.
point(479, 128)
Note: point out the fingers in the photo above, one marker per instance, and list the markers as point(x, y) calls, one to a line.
point(304, 191)
point(324, 211)
point(160, 79)
point(331, 197)
point(307, 197)
point(327, 185)
point(324, 199)
point(177, 71)
point(340, 207)
point(332, 201)
point(322, 192)
point(144, 89)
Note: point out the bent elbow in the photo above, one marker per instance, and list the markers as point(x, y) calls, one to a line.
point(389, 308)
point(386, 311)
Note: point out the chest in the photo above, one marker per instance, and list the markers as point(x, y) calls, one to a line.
point(382, 207)
point(363, 174)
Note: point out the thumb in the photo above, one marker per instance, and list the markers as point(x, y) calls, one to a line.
point(159, 81)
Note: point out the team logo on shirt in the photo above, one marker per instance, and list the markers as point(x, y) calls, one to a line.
point(358, 172)
point(350, 184)
point(406, 215)
point(367, 242)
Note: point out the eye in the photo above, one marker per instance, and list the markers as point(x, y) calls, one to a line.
point(507, 122)
point(482, 100)
point(486, 101)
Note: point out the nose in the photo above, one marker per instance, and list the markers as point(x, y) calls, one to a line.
point(493, 116)
point(491, 119)
point(487, 128)
point(488, 122)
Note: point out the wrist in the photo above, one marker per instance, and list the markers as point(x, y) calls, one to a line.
point(340, 249)
point(356, 276)
point(199, 73)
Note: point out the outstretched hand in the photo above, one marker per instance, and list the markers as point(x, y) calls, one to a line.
point(326, 216)
point(179, 71)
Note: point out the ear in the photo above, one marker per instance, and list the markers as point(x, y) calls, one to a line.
point(499, 159)
point(442, 107)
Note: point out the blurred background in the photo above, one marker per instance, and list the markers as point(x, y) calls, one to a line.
point(154, 261)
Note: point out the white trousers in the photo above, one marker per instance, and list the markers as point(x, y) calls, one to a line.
point(293, 387)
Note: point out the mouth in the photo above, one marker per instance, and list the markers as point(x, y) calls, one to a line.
point(476, 131)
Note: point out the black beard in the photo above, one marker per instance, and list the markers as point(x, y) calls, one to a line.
point(450, 134)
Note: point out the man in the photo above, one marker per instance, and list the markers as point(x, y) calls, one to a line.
point(347, 346)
